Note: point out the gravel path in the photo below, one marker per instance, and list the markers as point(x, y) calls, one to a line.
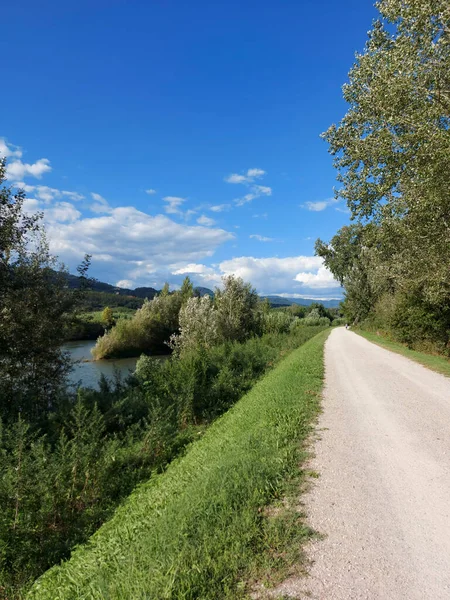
point(383, 496)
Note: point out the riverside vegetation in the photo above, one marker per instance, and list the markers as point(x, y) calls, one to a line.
point(392, 152)
point(69, 458)
point(200, 530)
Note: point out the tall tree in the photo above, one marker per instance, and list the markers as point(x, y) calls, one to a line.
point(236, 305)
point(35, 306)
point(392, 152)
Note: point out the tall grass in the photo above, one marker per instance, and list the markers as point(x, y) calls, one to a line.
point(196, 530)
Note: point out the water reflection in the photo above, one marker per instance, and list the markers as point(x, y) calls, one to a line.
point(88, 371)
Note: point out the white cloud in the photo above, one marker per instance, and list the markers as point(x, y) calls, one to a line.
point(320, 204)
point(255, 173)
point(323, 278)
point(125, 283)
point(275, 275)
point(18, 170)
point(245, 199)
point(48, 194)
point(235, 178)
point(297, 276)
point(62, 212)
point(261, 238)
point(173, 204)
point(193, 268)
point(310, 296)
point(263, 190)
point(261, 216)
point(345, 210)
point(204, 220)
point(249, 177)
point(150, 192)
point(101, 205)
point(139, 246)
point(220, 207)
point(31, 205)
point(9, 150)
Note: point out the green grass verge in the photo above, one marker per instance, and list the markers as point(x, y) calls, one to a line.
point(199, 530)
point(436, 363)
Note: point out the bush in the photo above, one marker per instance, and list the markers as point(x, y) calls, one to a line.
point(408, 319)
point(277, 321)
point(199, 326)
point(338, 321)
point(237, 306)
point(148, 331)
point(314, 320)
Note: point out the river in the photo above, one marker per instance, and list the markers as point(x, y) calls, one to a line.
point(88, 371)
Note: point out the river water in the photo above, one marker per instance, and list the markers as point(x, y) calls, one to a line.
point(87, 372)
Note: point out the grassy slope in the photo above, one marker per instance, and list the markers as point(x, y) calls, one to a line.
point(197, 529)
point(436, 363)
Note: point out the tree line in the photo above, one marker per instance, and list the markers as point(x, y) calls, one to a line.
point(392, 153)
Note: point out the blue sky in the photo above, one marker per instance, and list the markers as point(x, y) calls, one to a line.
point(170, 137)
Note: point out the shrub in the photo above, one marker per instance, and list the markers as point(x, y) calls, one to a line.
point(148, 331)
point(236, 305)
point(277, 322)
point(338, 321)
point(199, 326)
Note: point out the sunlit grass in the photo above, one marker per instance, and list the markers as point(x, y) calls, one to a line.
point(200, 529)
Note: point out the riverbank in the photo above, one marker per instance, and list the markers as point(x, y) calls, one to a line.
point(200, 527)
point(87, 372)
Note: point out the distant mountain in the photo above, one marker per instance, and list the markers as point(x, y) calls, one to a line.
point(149, 292)
point(100, 286)
point(281, 301)
point(140, 292)
point(202, 291)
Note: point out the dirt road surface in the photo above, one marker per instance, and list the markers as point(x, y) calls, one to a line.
point(383, 496)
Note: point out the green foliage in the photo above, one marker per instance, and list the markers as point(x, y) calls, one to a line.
point(205, 382)
point(392, 151)
point(50, 497)
point(297, 310)
point(148, 331)
point(338, 321)
point(186, 290)
point(94, 300)
point(35, 310)
point(97, 449)
point(313, 319)
point(107, 317)
point(195, 530)
point(277, 321)
point(199, 326)
point(236, 304)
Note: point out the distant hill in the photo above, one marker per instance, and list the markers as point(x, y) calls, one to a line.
point(139, 292)
point(149, 292)
point(100, 286)
point(281, 301)
point(202, 291)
